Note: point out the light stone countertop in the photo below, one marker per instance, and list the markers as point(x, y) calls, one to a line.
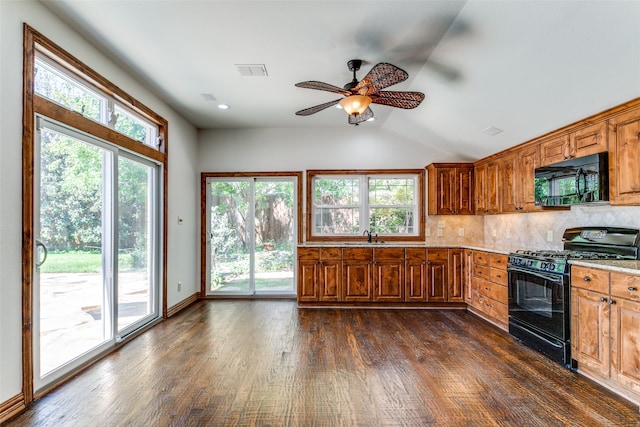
point(623, 266)
point(501, 250)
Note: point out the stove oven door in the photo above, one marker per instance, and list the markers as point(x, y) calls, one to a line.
point(539, 302)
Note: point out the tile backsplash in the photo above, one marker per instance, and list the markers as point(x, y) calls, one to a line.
point(526, 230)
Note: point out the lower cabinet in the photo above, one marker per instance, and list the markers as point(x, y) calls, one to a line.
point(392, 275)
point(605, 328)
point(489, 293)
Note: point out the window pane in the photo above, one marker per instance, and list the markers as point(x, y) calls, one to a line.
point(134, 127)
point(391, 191)
point(341, 191)
point(392, 221)
point(337, 221)
point(52, 84)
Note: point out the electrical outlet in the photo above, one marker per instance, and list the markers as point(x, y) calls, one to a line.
point(549, 235)
point(507, 233)
point(461, 232)
point(179, 286)
point(428, 232)
point(494, 233)
point(440, 224)
point(439, 232)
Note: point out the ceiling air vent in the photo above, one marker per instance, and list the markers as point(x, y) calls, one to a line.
point(252, 70)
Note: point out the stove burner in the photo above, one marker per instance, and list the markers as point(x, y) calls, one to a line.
point(569, 254)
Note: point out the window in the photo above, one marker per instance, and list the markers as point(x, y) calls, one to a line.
point(344, 205)
point(61, 86)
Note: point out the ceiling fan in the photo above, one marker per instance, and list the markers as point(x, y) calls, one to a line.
point(358, 95)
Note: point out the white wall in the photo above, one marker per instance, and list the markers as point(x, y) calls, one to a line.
point(351, 147)
point(182, 262)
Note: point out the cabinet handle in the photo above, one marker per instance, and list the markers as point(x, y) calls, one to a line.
point(498, 276)
point(611, 302)
point(632, 288)
point(488, 289)
point(586, 278)
point(603, 299)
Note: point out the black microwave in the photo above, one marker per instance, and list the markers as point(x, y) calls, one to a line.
point(576, 181)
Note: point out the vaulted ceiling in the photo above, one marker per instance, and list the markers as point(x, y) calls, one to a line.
point(525, 67)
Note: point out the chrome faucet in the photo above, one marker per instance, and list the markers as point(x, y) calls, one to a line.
point(368, 234)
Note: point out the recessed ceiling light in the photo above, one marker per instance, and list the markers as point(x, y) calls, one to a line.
point(223, 106)
point(491, 130)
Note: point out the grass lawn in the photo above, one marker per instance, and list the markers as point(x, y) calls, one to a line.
point(80, 262)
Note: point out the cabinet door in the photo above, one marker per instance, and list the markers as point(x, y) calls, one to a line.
point(464, 191)
point(624, 160)
point(356, 281)
point(493, 193)
point(307, 280)
point(510, 189)
point(437, 275)
point(445, 191)
point(590, 344)
point(554, 150)
point(468, 276)
point(388, 280)
point(529, 161)
point(589, 140)
point(329, 280)
point(625, 343)
point(455, 286)
point(415, 275)
point(480, 189)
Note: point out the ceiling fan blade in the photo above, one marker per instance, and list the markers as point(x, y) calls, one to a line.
point(316, 108)
point(323, 86)
point(381, 76)
point(355, 119)
point(399, 99)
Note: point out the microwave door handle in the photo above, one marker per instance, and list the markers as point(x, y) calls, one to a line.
point(550, 277)
point(579, 174)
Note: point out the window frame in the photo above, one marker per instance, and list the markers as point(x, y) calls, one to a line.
point(363, 176)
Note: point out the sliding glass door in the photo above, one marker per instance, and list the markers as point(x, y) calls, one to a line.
point(251, 237)
point(95, 272)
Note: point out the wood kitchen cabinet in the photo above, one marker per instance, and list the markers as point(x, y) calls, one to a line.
point(487, 181)
point(455, 285)
point(437, 275)
point(588, 140)
point(319, 274)
point(489, 297)
point(388, 274)
point(605, 328)
point(415, 275)
point(450, 189)
point(357, 276)
point(518, 176)
point(624, 158)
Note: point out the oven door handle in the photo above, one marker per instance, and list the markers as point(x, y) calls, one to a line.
point(556, 278)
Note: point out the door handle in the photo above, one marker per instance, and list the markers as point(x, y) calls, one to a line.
point(39, 244)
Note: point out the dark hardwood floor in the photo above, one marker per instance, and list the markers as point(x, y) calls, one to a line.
point(268, 363)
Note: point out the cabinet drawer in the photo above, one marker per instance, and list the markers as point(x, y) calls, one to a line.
point(480, 258)
point(493, 291)
point(357, 253)
point(498, 276)
point(498, 261)
point(625, 286)
point(388, 253)
point(330, 253)
point(493, 308)
point(481, 271)
point(416, 254)
point(590, 278)
point(437, 254)
point(308, 253)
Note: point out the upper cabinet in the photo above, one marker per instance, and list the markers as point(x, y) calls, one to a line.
point(624, 158)
point(518, 190)
point(588, 140)
point(487, 187)
point(450, 189)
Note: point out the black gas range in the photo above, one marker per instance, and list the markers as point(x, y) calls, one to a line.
point(539, 285)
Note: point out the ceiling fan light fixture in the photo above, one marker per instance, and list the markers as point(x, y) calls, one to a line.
point(355, 104)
